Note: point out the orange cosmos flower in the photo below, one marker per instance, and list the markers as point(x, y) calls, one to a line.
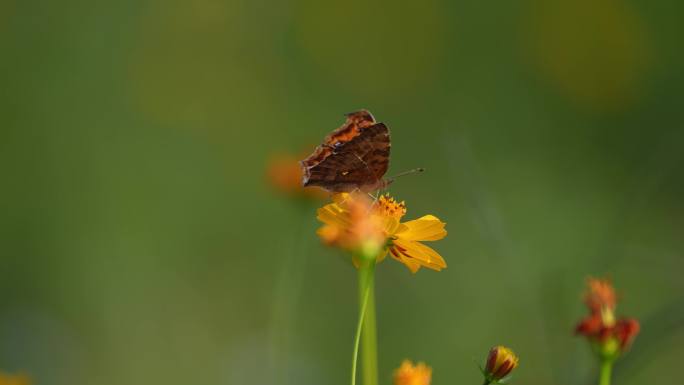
point(408, 374)
point(353, 222)
point(609, 335)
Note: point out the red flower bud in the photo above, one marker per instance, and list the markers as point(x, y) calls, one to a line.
point(500, 362)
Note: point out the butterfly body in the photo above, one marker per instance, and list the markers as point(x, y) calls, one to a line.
point(355, 156)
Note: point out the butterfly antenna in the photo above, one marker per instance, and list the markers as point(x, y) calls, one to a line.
point(415, 170)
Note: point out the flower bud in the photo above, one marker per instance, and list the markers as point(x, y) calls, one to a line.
point(500, 363)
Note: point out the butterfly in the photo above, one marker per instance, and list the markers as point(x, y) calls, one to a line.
point(355, 156)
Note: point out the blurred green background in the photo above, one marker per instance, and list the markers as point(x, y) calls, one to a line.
point(140, 242)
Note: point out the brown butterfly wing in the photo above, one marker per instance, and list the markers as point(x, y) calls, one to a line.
point(356, 121)
point(359, 163)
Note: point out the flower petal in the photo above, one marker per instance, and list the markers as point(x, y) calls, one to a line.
point(426, 228)
point(412, 264)
point(391, 225)
point(340, 198)
point(333, 215)
point(422, 254)
point(329, 234)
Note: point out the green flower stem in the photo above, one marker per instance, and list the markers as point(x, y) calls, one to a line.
point(606, 370)
point(369, 347)
point(366, 328)
point(357, 339)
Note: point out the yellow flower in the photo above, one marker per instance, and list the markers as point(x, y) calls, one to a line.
point(407, 374)
point(500, 363)
point(353, 221)
point(18, 379)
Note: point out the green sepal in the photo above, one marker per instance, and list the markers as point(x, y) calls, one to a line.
point(490, 380)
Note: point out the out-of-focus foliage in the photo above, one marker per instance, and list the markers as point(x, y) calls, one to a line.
point(139, 243)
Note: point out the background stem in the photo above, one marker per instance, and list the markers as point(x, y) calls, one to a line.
point(287, 295)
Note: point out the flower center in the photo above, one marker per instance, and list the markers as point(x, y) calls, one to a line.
point(388, 206)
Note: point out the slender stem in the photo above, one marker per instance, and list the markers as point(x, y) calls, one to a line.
point(369, 347)
point(362, 312)
point(606, 370)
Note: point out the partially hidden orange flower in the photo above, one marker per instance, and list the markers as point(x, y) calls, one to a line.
point(611, 335)
point(284, 174)
point(408, 374)
point(16, 379)
point(353, 222)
